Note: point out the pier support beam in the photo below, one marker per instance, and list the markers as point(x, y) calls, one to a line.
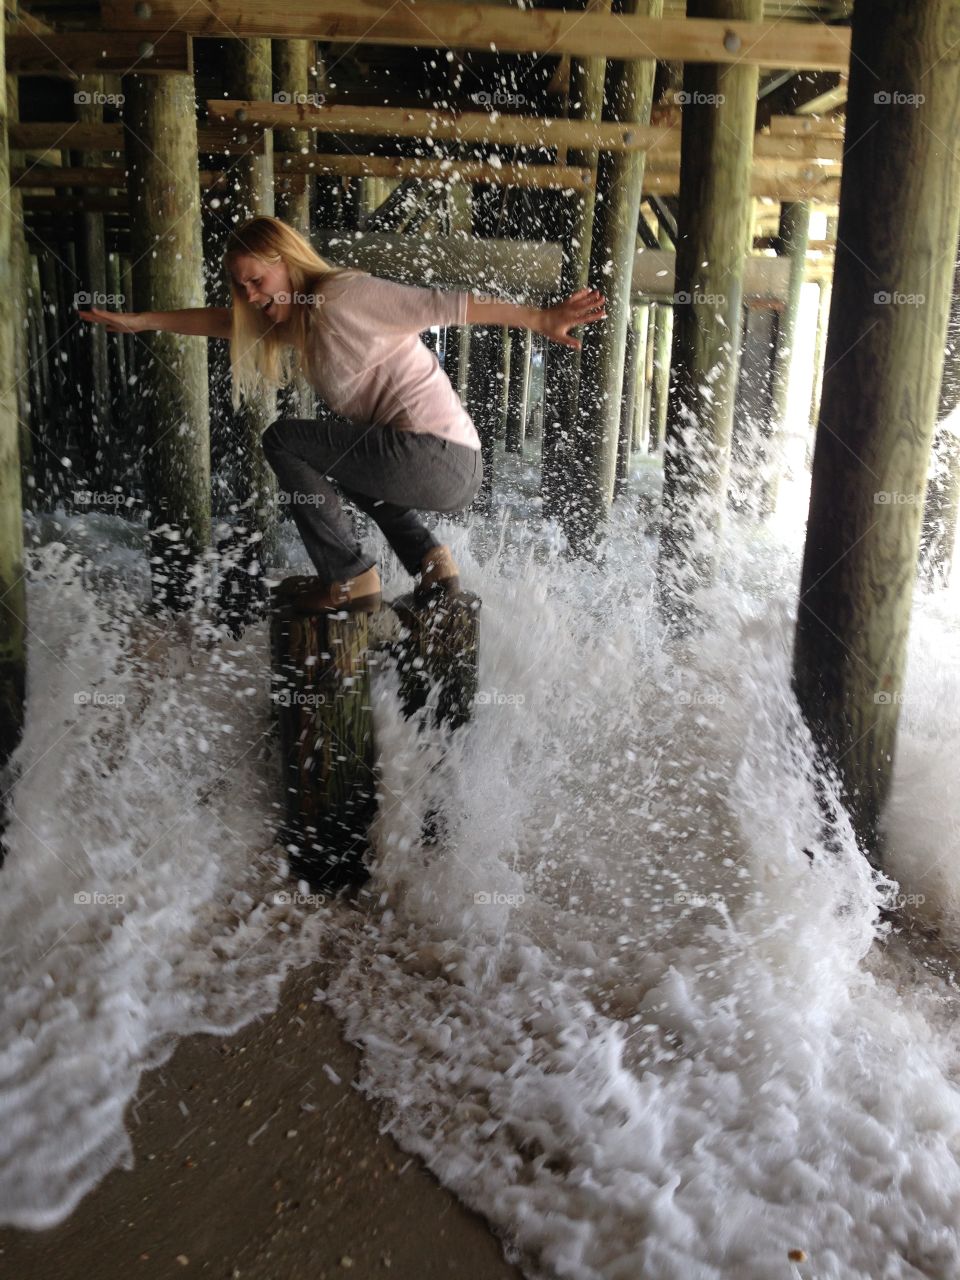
point(884, 359)
point(939, 534)
point(13, 597)
point(714, 234)
point(159, 114)
point(792, 242)
point(629, 97)
point(519, 390)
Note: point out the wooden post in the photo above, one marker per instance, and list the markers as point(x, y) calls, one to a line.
point(660, 385)
point(503, 380)
point(95, 434)
point(13, 598)
point(321, 692)
point(885, 344)
point(629, 95)
point(292, 61)
point(483, 402)
point(628, 399)
point(562, 367)
point(21, 276)
point(438, 649)
point(159, 114)
point(456, 357)
point(641, 427)
point(939, 533)
point(792, 242)
point(519, 390)
point(714, 225)
point(819, 349)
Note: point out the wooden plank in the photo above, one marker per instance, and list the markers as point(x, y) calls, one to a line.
point(782, 44)
point(115, 52)
point(805, 125)
point(462, 126)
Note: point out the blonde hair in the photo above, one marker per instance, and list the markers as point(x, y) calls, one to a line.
point(261, 351)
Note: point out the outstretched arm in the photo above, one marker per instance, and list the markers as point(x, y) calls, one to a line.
point(582, 307)
point(200, 322)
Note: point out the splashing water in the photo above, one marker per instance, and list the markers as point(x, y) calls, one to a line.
point(620, 1012)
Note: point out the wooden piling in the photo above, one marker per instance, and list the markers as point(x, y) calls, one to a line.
point(159, 114)
point(884, 358)
point(483, 401)
point(939, 530)
point(321, 695)
point(714, 229)
point(519, 390)
point(660, 384)
point(629, 95)
point(792, 240)
point(562, 372)
point(13, 599)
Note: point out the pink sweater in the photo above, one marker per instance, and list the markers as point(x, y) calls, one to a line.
point(368, 364)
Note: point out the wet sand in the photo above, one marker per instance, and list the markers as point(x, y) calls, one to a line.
point(252, 1162)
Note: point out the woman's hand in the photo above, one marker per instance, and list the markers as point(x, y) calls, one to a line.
point(116, 321)
point(582, 307)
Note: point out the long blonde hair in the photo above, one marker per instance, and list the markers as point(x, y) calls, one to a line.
point(259, 351)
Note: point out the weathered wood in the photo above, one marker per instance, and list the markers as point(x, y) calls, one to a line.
point(157, 52)
point(628, 400)
point(629, 95)
point(518, 391)
point(561, 392)
point(90, 236)
point(503, 380)
point(583, 35)
point(792, 245)
point(483, 402)
point(167, 274)
point(641, 424)
point(438, 650)
point(292, 60)
point(321, 692)
point(939, 531)
point(13, 596)
point(715, 230)
point(885, 345)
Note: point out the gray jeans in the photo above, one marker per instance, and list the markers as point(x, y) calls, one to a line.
point(382, 470)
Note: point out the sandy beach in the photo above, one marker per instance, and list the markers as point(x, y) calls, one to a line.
point(253, 1161)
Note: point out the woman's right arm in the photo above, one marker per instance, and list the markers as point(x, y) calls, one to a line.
point(200, 322)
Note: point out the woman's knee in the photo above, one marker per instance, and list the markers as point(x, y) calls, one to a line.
point(275, 437)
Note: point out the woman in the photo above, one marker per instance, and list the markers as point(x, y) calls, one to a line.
point(395, 436)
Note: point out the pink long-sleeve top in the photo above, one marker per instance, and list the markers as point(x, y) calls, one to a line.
point(367, 363)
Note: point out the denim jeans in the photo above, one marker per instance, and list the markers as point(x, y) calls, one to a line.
point(382, 470)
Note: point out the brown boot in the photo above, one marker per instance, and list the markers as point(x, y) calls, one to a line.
point(309, 595)
point(438, 575)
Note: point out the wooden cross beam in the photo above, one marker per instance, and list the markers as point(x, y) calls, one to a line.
point(119, 52)
point(432, 24)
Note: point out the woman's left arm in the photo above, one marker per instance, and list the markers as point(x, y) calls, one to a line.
point(582, 307)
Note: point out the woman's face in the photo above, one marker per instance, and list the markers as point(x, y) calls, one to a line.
point(265, 285)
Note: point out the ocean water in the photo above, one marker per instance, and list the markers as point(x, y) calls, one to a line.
point(620, 1012)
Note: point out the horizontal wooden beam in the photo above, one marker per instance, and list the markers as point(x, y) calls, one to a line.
point(120, 52)
point(291, 165)
point(435, 25)
point(447, 126)
point(81, 136)
point(824, 102)
point(780, 125)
